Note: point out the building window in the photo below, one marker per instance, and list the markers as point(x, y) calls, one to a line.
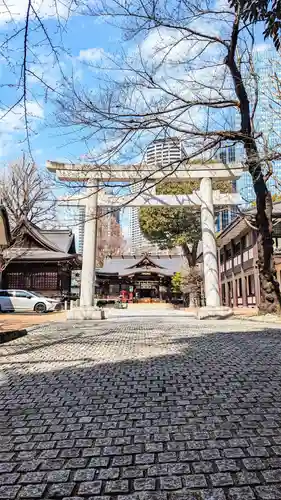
point(240, 287)
point(223, 293)
point(228, 253)
point(251, 285)
point(237, 248)
point(223, 156)
point(44, 281)
point(16, 280)
point(231, 154)
point(36, 281)
point(225, 218)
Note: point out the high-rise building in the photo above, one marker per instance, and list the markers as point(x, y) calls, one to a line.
point(160, 153)
point(224, 215)
point(267, 118)
point(107, 220)
point(163, 152)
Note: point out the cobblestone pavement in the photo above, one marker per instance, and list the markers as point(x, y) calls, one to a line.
point(165, 409)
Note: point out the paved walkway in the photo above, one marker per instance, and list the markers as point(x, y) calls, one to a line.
point(158, 408)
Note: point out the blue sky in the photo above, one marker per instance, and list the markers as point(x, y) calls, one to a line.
point(86, 39)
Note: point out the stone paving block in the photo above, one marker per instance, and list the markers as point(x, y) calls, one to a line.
point(247, 477)
point(123, 460)
point(233, 453)
point(189, 456)
point(7, 467)
point(195, 481)
point(32, 491)
point(221, 479)
point(243, 493)
point(272, 476)
point(169, 456)
point(146, 495)
point(119, 486)
point(170, 483)
point(185, 494)
point(268, 492)
point(76, 463)
point(145, 484)
point(144, 458)
point(110, 473)
point(50, 464)
point(210, 454)
point(133, 472)
point(99, 462)
point(227, 465)
point(179, 469)
point(32, 477)
point(89, 488)
point(60, 490)
point(9, 492)
point(254, 464)
point(84, 474)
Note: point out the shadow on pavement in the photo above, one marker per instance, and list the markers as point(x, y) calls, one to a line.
point(198, 420)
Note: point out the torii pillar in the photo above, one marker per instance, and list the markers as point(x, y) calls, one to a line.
point(90, 247)
point(211, 272)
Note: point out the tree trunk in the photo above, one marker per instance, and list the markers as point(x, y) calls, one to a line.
point(192, 300)
point(269, 287)
point(191, 256)
point(270, 292)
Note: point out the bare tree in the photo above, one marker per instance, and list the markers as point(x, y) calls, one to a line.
point(31, 50)
point(190, 73)
point(26, 193)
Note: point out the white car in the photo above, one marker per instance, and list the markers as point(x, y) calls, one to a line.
point(22, 300)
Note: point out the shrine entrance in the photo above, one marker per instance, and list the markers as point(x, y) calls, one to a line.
point(205, 199)
point(147, 289)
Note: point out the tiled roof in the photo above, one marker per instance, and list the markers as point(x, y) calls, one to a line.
point(46, 244)
point(61, 238)
point(128, 265)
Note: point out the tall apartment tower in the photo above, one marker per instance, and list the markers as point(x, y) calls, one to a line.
point(81, 216)
point(225, 215)
point(164, 152)
point(160, 153)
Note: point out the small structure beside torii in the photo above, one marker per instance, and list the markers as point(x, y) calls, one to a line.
point(205, 199)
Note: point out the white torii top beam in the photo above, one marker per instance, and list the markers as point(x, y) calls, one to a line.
point(123, 173)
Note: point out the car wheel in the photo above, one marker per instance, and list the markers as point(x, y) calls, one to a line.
point(40, 308)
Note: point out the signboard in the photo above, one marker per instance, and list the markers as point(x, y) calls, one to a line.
point(146, 284)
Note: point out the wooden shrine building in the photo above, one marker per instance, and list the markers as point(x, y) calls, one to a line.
point(40, 260)
point(147, 276)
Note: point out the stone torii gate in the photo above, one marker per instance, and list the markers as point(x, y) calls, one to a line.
point(205, 199)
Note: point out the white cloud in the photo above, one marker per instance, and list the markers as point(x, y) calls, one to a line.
point(16, 9)
point(90, 55)
point(262, 47)
point(12, 126)
point(14, 120)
